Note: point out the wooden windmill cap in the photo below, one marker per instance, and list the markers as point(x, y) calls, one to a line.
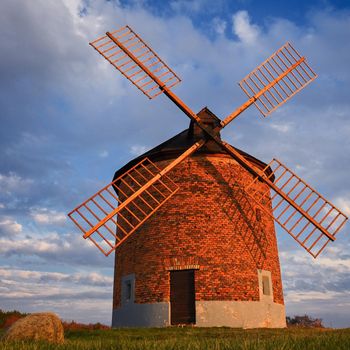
point(176, 145)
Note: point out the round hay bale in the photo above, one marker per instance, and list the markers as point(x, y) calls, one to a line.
point(38, 326)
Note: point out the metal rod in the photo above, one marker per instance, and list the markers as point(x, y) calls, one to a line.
point(262, 95)
point(86, 220)
point(287, 207)
point(289, 61)
point(283, 81)
point(97, 218)
point(288, 77)
point(138, 225)
point(301, 66)
point(113, 54)
point(76, 222)
point(320, 222)
point(115, 221)
point(310, 222)
point(294, 199)
point(318, 253)
point(315, 242)
point(280, 188)
point(263, 74)
point(272, 76)
point(273, 96)
point(316, 200)
point(292, 73)
point(129, 210)
point(158, 181)
point(97, 245)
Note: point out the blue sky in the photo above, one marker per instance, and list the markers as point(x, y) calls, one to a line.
point(68, 121)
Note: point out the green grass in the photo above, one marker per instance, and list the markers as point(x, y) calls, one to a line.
point(196, 339)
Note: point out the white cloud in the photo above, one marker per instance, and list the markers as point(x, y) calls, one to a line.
point(310, 295)
point(248, 33)
point(281, 127)
point(186, 5)
point(338, 265)
point(44, 216)
point(344, 204)
point(219, 25)
point(24, 276)
point(136, 150)
point(13, 183)
point(104, 154)
point(31, 291)
point(28, 246)
point(9, 226)
point(300, 168)
point(332, 261)
point(53, 248)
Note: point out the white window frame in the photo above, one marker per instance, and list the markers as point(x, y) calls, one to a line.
point(265, 275)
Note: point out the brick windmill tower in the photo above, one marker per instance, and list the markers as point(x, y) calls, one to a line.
point(191, 221)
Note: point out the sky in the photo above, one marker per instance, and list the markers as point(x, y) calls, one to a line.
point(68, 120)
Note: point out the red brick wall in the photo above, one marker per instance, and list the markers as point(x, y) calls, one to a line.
point(211, 223)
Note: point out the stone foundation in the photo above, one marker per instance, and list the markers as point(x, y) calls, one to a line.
point(237, 314)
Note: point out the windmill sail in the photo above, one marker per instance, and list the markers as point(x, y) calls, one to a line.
point(131, 197)
point(274, 82)
point(277, 79)
point(112, 214)
point(127, 52)
point(309, 218)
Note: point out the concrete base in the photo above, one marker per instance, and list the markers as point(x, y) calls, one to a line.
point(142, 315)
point(238, 314)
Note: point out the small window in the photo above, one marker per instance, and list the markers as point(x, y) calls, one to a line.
point(128, 289)
point(266, 285)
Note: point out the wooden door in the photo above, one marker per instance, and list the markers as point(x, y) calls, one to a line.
point(182, 297)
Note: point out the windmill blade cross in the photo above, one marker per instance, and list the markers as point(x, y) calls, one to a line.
point(287, 71)
point(270, 85)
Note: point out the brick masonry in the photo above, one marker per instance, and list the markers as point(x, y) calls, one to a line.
point(209, 225)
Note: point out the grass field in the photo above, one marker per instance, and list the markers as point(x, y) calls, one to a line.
point(196, 338)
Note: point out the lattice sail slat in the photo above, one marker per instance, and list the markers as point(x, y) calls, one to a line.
point(117, 210)
point(277, 79)
point(125, 53)
point(299, 223)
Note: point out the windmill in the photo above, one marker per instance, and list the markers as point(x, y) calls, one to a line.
point(142, 212)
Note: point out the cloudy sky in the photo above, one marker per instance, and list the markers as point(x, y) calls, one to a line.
point(68, 121)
